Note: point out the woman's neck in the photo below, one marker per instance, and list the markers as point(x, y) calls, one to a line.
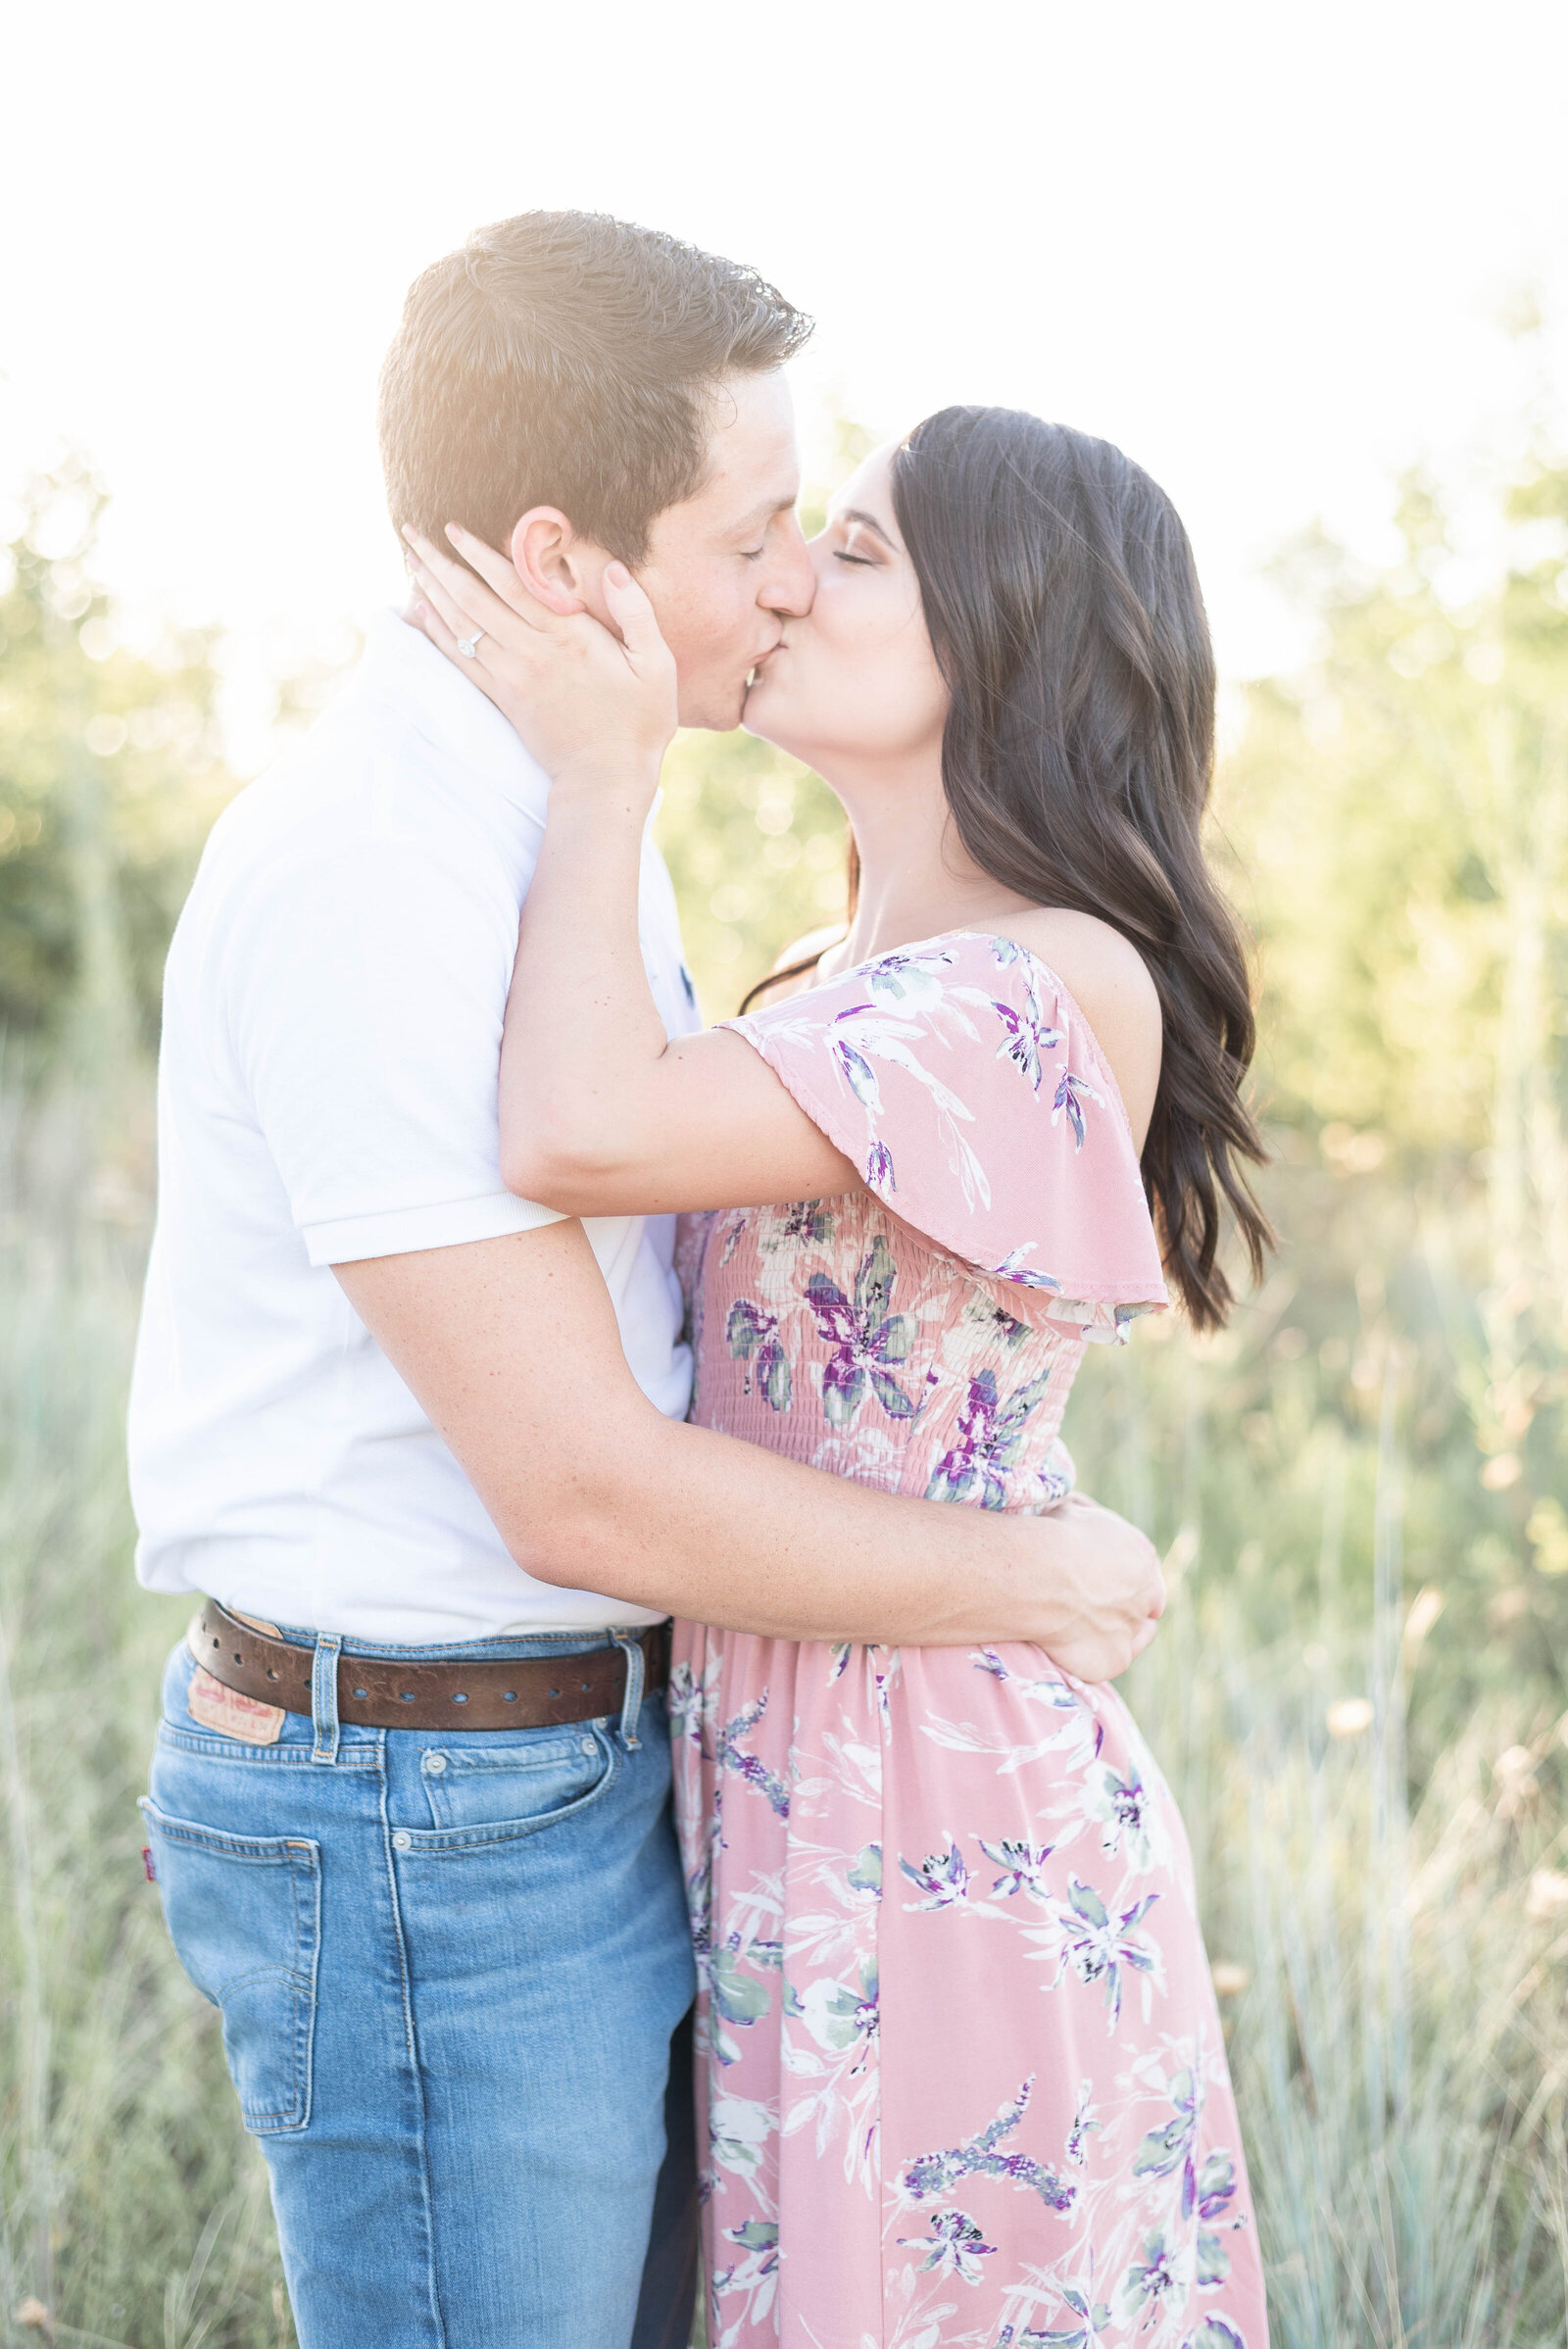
point(917, 878)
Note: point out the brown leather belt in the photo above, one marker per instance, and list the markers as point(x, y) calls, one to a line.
point(379, 1693)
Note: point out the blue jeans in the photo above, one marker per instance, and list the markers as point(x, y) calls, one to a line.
point(449, 1965)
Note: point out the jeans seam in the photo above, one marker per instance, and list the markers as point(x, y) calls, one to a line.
point(307, 1884)
point(412, 2040)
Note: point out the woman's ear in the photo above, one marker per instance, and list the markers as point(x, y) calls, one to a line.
point(553, 563)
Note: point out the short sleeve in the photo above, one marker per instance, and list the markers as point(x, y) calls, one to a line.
point(963, 1081)
point(363, 995)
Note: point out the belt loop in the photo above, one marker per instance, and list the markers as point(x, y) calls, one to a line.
point(631, 1648)
point(323, 1695)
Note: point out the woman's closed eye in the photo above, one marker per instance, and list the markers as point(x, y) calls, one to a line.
point(862, 547)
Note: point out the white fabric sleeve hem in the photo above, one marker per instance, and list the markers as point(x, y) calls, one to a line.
point(405, 1231)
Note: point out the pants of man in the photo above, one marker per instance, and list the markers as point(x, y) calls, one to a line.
point(449, 1966)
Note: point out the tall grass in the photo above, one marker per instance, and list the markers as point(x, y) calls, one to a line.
point(1386, 1907)
point(134, 2208)
point(1375, 1802)
point(1359, 1690)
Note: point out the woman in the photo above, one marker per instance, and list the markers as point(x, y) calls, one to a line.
point(963, 2075)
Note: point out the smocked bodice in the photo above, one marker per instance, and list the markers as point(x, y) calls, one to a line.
point(922, 1334)
point(832, 1333)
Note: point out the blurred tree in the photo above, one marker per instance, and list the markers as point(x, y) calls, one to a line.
point(756, 847)
point(1400, 815)
point(110, 774)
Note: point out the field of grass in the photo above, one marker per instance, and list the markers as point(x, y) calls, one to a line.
point(1360, 1488)
point(134, 2208)
point(1376, 1821)
point(1378, 1834)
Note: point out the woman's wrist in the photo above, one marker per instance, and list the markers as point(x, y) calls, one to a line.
point(600, 774)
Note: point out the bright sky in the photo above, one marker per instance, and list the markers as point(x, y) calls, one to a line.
point(1264, 247)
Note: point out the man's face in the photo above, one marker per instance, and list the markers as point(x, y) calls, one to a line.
point(726, 566)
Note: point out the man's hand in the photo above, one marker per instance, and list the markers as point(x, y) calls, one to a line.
point(1113, 1593)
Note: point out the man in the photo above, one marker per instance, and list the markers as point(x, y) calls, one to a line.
point(420, 1440)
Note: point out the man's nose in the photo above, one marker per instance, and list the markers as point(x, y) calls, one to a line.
point(791, 587)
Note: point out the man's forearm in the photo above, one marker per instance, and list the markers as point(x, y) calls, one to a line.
point(722, 1532)
point(512, 1347)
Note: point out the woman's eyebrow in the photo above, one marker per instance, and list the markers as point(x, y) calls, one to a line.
point(857, 513)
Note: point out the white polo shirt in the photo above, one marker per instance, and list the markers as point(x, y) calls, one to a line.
point(332, 1015)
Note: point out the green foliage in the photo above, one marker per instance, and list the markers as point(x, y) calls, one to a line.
point(1402, 811)
point(108, 777)
point(756, 847)
point(1400, 821)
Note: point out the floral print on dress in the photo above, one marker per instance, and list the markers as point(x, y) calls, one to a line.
point(962, 2080)
point(863, 1338)
point(990, 1433)
point(960, 1076)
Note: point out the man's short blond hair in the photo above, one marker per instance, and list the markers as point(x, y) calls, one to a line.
point(562, 358)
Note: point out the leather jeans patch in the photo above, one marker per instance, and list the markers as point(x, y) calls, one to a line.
point(225, 1710)
point(209, 1703)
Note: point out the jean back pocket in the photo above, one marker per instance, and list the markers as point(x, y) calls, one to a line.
point(244, 1913)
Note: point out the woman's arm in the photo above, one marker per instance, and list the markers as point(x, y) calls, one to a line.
point(587, 1484)
point(601, 1113)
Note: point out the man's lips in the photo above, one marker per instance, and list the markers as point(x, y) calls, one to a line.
point(761, 663)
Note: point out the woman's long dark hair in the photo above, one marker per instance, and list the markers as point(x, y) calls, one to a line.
point(1064, 607)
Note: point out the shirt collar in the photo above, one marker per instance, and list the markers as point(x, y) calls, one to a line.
point(400, 666)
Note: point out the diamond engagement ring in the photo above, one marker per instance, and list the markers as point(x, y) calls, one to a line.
point(469, 646)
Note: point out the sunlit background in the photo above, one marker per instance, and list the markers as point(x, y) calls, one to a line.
point(1270, 251)
point(1310, 267)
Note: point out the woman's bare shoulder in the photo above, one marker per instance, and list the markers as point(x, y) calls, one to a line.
point(1094, 957)
point(1113, 988)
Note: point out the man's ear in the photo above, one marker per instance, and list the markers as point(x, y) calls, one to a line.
point(562, 570)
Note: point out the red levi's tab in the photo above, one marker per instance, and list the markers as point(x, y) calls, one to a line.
point(148, 1869)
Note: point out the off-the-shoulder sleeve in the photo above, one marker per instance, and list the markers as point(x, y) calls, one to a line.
point(962, 1080)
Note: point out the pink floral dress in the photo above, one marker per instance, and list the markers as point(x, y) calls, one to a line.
point(962, 2078)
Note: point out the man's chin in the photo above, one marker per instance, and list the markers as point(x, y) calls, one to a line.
point(715, 714)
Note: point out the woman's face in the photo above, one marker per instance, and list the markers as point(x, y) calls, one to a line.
point(854, 684)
